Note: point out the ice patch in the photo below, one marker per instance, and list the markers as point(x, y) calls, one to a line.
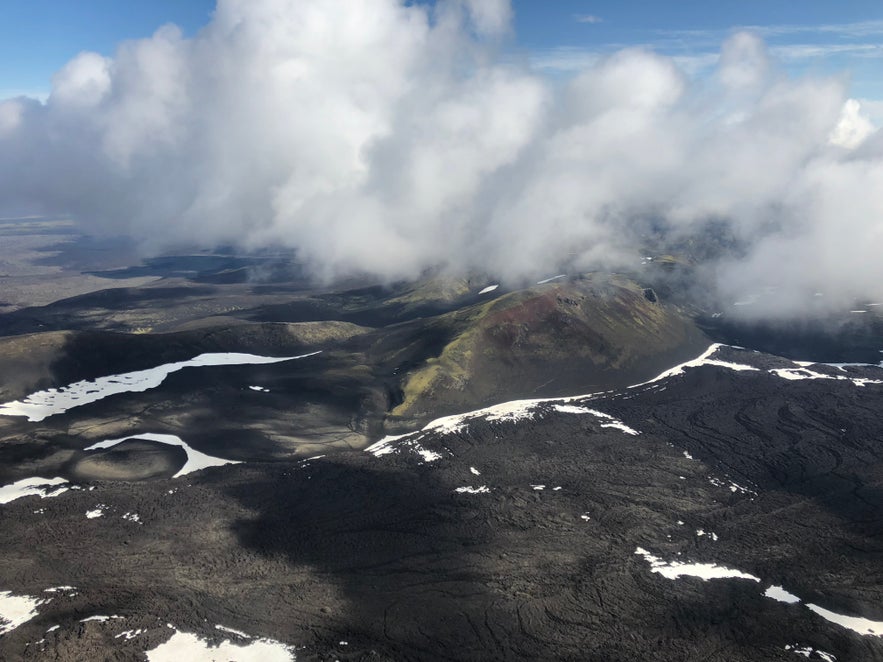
point(704, 571)
point(538, 487)
point(15, 610)
point(196, 460)
point(489, 288)
point(474, 471)
point(132, 517)
point(710, 534)
point(781, 595)
point(259, 389)
point(42, 487)
point(130, 634)
point(97, 512)
point(187, 646)
point(484, 489)
point(43, 404)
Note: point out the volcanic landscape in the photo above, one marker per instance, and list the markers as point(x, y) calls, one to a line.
point(206, 456)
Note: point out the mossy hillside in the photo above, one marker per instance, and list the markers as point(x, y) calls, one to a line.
point(593, 331)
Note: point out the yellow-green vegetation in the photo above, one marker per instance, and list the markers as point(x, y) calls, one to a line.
point(433, 290)
point(315, 333)
point(26, 360)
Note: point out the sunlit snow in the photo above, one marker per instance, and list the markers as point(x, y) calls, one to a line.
point(196, 460)
point(43, 404)
point(807, 652)
point(98, 511)
point(99, 618)
point(42, 487)
point(704, 571)
point(781, 595)
point(489, 288)
point(505, 412)
point(17, 609)
point(549, 280)
point(483, 489)
point(857, 624)
point(187, 646)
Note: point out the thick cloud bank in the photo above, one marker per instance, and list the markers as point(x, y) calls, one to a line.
point(387, 137)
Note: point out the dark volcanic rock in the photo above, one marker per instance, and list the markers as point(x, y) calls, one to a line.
point(783, 478)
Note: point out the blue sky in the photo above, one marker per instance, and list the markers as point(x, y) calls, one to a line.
point(38, 36)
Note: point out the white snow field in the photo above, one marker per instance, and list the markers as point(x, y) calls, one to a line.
point(43, 404)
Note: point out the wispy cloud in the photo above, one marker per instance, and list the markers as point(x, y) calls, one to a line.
point(792, 52)
point(565, 59)
point(772, 32)
point(587, 18)
point(573, 59)
point(847, 30)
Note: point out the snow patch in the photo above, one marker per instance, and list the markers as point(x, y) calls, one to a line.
point(803, 372)
point(196, 460)
point(807, 651)
point(42, 487)
point(489, 288)
point(388, 445)
point(98, 511)
point(704, 571)
point(781, 595)
point(99, 618)
point(549, 280)
point(43, 404)
point(857, 624)
point(238, 633)
point(618, 425)
point(187, 646)
point(15, 610)
point(484, 489)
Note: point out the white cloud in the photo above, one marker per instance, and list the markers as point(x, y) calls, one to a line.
point(385, 137)
point(587, 18)
point(853, 128)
